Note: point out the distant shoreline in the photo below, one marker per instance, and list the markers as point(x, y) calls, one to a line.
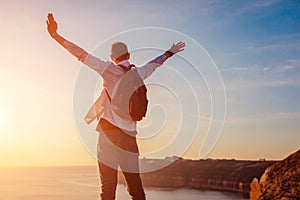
point(95, 165)
point(234, 176)
point(230, 176)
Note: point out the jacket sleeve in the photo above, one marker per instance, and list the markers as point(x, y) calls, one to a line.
point(93, 62)
point(146, 70)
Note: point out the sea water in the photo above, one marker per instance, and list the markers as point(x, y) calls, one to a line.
point(78, 183)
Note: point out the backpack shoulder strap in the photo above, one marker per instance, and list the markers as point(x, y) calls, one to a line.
point(109, 98)
point(126, 69)
point(131, 66)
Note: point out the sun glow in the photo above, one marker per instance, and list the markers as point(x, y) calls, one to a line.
point(5, 121)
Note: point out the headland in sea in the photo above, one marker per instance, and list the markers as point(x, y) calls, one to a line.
point(204, 174)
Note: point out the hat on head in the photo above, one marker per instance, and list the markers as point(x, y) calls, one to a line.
point(118, 49)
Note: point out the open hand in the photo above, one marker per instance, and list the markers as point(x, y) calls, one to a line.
point(51, 24)
point(175, 48)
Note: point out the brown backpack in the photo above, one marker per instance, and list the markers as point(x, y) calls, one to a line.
point(129, 98)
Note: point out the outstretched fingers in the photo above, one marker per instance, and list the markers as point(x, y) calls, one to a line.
point(177, 47)
point(180, 45)
point(51, 24)
point(50, 17)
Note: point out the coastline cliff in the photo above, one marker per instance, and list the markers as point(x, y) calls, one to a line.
point(280, 181)
point(223, 175)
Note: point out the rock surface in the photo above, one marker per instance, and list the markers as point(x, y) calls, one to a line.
point(280, 181)
point(223, 175)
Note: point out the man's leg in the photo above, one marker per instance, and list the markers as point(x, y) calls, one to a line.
point(107, 162)
point(129, 164)
point(134, 186)
point(117, 147)
point(109, 179)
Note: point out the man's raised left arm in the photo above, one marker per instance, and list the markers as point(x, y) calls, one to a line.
point(146, 70)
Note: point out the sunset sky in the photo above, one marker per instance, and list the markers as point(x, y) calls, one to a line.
point(255, 45)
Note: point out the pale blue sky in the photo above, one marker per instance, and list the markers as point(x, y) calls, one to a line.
point(255, 44)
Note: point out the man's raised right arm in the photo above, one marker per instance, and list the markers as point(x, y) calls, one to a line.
point(83, 56)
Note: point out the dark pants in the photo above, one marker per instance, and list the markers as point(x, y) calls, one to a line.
point(118, 149)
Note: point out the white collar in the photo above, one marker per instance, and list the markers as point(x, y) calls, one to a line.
point(126, 63)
